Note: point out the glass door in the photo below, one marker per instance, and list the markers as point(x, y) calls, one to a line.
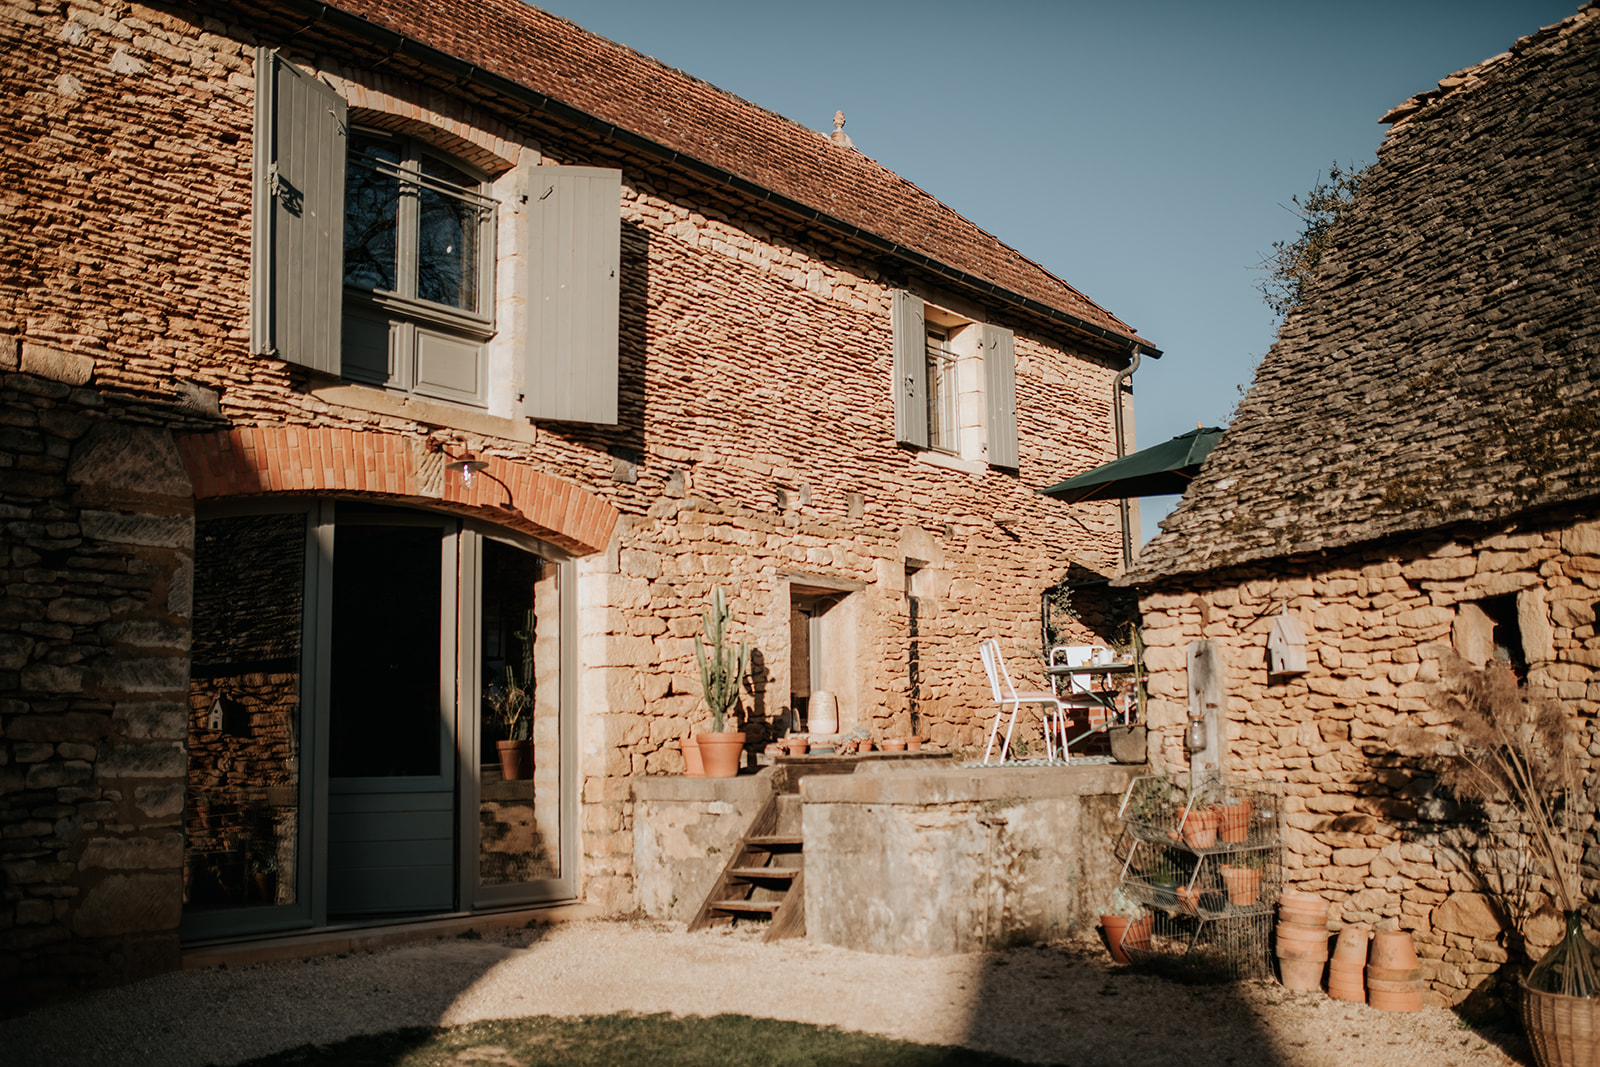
point(517, 755)
point(391, 716)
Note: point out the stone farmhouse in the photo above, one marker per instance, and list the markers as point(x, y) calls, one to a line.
point(356, 354)
point(1413, 469)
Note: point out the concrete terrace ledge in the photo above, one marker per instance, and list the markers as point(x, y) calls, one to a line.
point(889, 783)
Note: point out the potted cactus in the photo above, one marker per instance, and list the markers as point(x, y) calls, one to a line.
point(722, 671)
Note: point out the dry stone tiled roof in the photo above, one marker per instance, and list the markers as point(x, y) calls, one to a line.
point(694, 119)
point(1446, 366)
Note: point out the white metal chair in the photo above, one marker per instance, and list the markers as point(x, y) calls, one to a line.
point(1006, 693)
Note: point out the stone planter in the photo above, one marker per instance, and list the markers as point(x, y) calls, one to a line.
point(1128, 744)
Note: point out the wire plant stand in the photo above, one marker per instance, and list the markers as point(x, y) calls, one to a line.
point(1207, 868)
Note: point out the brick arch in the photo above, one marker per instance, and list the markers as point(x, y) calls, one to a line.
point(261, 460)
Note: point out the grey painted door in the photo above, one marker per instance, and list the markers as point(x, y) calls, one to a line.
point(391, 841)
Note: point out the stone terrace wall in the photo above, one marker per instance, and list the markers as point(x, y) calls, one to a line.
point(1365, 826)
point(756, 430)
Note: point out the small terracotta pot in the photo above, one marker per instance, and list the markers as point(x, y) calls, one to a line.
point(798, 746)
point(1387, 1000)
point(692, 767)
point(1352, 947)
point(1386, 974)
point(1303, 908)
point(1344, 984)
point(913, 744)
point(1392, 950)
point(1233, 821)
point(1200, 828)
point(1244, 884)
point(1303, 975)
point(1121, 933)
point(894, 744)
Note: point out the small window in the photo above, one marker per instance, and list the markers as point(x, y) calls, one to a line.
point(418, 269)
point(954, 383)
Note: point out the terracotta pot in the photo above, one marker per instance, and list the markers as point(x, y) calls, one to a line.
point(719, 753)
point(1351, 949)
point(1233, 821)
point(1344, 984)
point(1394, 1000)
point(894, 744)
point(1122, 933)
point(516, 760)
point(1303, 907)
point(913, 744)
point(692, 767)
point(1302, 953)
point(1385, 974)
point(798, 746)
point(1385, 986)
point(1200, 828)
point(1244, 884)
point(1303, 975)
point(1392, 950)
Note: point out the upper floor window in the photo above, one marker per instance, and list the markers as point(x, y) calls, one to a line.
point(415, 226)
point(374, 259)
point(955, 383)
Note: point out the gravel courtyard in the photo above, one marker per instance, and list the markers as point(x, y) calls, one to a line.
point(1064, 1004)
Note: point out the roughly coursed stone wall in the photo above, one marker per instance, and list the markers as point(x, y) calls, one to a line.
point(756, 435)
point(1366, 827)
point(97, 520)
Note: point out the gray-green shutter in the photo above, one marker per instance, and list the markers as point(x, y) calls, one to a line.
point(910, 369)
point(297, 244)
point(1000, 395)
point(574, 249)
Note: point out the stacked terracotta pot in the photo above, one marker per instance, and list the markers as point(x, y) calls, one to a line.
point(1302, 940)
point(1345, 971)
point(1394, 981)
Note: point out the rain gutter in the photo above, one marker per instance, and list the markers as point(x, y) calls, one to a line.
point(468, 74)
point(1125, 376)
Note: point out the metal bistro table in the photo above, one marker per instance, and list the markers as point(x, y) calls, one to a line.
point(1101, 698)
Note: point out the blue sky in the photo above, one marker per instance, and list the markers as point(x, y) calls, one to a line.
point(1144, 150)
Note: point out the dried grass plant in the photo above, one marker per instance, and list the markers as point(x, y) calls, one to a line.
point(1517, 755)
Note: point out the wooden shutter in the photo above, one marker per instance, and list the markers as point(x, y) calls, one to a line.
point(574, 249)
point(1000, 395)
point(297, 243)
point(910, 369)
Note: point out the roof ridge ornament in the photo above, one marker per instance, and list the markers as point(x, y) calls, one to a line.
point(839, 137)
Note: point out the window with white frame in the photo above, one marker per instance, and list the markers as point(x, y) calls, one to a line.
point(955, 383)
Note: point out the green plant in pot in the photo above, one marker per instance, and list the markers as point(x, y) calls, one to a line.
point(722, 671)
point(511, 707)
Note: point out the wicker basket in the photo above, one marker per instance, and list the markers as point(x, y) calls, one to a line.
point(1564, 1031)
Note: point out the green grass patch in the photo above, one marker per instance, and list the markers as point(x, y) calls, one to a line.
point(628, 1041)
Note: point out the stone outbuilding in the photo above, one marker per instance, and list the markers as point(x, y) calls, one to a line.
point(1413, 470)
point(354, 355)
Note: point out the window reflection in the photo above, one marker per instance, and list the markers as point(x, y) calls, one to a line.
point(241, 811)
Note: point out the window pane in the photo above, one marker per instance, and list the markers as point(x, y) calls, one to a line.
point(447, 255)
point(518, 811)
point(941, 392)
point(385, 715)
point(371, 214)
point(241, 815)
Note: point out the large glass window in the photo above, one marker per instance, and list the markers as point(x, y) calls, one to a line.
point(241, 811)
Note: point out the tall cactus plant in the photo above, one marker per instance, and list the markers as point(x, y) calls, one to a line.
point(722, 669)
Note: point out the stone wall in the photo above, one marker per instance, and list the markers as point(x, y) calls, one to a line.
point(932, 862)
point(755, 448)
point(97, 520)
point(1366, 826)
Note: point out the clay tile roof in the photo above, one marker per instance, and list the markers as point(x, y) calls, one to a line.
point(690, 117)
point(1446, 366)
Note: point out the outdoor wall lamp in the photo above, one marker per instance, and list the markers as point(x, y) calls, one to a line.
point(468, 466)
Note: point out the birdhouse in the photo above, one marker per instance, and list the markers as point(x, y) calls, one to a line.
point(1286, 646)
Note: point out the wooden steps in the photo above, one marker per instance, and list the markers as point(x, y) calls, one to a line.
point(764, 876)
